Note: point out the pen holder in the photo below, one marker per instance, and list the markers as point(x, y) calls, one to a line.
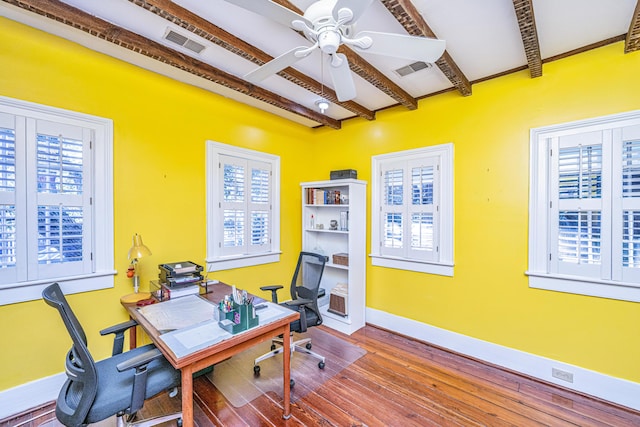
point(240, 318)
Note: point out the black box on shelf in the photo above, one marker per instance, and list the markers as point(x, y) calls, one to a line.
point(344, 174)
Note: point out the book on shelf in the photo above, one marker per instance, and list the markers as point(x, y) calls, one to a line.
point(318, 196)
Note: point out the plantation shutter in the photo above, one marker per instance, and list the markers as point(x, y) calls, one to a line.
point(246, 205)
point(577, 218)
point(629, 249)
point(62, 200)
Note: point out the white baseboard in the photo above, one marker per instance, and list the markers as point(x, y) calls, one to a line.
point(616, 390)
point(30, 395)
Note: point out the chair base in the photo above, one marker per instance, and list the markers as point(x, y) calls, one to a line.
point(301, 346)
point(148, 422)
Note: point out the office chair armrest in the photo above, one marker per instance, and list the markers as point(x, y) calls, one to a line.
point(118, 330)
point(301, 303)
point(298, 302)
point(273, 289)
point(139, 363)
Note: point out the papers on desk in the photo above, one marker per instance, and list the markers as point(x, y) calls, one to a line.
point(271, 313)
point(178, 313)
point(188, 340)
point(191, 322)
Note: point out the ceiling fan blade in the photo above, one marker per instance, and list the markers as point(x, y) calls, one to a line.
point(357, 7)
point(341, 76)
point(277, 64)
point(401, 46)
point(271, 10)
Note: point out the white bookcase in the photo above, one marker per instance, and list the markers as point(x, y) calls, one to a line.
point(343, 201)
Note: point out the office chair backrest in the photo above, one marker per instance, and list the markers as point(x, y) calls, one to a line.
point(80, 368)
point(307, 277)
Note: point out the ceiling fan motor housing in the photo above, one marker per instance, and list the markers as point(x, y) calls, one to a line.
point(329, 41)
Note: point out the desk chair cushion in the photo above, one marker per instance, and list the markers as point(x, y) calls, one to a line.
point(311, 317)
point(118, 385)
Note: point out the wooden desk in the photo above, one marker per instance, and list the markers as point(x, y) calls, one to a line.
point(216, 353)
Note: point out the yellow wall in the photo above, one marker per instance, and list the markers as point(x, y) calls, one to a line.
point(488, 297)
point(159, 131)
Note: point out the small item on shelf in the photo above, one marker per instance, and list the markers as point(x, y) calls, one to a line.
point(333, 224)
point(338, 299)
point(344, 174)
point(341, 259)
point(344, 220)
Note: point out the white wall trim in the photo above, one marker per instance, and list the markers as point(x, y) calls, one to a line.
point(616, 390)
point(30, 395)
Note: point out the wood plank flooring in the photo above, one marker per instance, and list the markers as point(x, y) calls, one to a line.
point(399, 382)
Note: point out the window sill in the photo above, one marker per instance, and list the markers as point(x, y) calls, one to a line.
point(440, 269)
point(580, 286)
point(231, 262)
point(31, 291)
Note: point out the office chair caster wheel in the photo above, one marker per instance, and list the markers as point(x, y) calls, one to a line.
point(273, 347)
point(292, 383)
point(308, 346)
point(321, 365)
point(256, 371)
point(179, 422)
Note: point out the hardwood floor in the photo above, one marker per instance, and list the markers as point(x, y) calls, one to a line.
point(399, 382)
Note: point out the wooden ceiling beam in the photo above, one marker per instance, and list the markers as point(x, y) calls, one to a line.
point(367, 71)
point(529, 33)
point(408, 16)
point(632, 42)
point(61, 12)
point(188, 20)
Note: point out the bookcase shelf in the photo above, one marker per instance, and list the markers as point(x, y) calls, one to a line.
point(343, 201)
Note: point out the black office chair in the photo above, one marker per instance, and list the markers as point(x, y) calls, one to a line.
point(305, 291)
point(118, 385)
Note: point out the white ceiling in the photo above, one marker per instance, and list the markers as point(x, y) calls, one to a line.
point(482, 37)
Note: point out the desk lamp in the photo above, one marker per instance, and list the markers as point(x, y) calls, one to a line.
point(137, 251)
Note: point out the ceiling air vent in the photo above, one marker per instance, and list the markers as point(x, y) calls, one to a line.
point(176, 38)
point(412, 68)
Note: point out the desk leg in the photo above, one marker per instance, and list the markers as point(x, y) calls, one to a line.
point(133, 337)
point(286, 365)
point(187, 396)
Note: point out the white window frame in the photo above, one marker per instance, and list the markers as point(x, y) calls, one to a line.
point(216, 259)
point(100, 166)
point(541, 271)
point(442, 263)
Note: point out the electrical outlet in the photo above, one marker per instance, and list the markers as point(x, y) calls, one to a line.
point(562, 375)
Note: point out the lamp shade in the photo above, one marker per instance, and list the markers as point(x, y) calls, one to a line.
point(138, 250)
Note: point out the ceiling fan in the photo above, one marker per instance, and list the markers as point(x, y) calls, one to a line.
point(328, 24)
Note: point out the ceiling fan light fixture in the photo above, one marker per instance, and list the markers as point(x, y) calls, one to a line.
point(322, 104)
point(329, 41)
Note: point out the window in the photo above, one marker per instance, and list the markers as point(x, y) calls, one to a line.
point(584, 218)
point(56, 215)
point(412, 210)
point(243, 214)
